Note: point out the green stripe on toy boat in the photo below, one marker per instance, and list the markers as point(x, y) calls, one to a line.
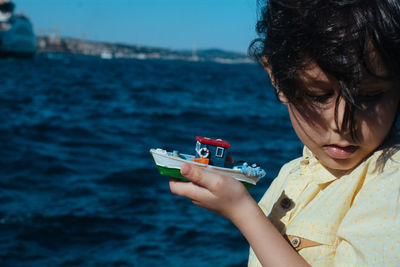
point(247, 185)
point(176, 173)
point(171, 172)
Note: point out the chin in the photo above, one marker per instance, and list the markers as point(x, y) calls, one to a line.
point(341, 164)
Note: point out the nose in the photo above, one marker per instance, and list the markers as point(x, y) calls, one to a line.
point(339, 121)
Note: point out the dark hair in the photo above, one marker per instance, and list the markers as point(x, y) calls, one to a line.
point(338, 35)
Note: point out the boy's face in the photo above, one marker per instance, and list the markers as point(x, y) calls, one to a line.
point(317, 128)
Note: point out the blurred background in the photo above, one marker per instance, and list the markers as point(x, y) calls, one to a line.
point(87, 88)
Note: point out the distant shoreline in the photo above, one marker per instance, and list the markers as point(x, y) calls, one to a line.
point(108, 50)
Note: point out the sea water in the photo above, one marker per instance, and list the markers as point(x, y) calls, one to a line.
point(78, 186)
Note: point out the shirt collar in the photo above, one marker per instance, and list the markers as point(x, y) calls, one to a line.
point(313, 168)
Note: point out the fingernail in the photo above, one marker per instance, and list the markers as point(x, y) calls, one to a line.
point(185, 169)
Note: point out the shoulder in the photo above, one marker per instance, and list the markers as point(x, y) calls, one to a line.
point(384, 164)
point(390, 160)
point(379, 193)
point(371, 225)
point(288, 170)
point(387, 157)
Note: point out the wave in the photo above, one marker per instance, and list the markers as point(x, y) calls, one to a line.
point(78, 185)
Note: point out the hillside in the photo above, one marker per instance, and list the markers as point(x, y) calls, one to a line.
point(117, 50)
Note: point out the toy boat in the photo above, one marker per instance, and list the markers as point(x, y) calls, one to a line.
point(211, 154)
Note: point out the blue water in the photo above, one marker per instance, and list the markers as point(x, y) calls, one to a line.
point(77, 184)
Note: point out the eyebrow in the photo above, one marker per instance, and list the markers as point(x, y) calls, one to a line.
point(372, 84)
point(385, 76)
point(321, 85)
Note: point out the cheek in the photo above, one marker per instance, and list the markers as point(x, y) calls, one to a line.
point(309, 126)
point(376, 121)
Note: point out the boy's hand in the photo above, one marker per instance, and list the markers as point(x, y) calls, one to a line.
point(219, 193)
point(229, 198)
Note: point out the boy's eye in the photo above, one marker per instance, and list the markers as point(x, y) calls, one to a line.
point(371, 96)
point(322, 99)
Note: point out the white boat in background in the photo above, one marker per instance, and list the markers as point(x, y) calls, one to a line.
point(17, 37)
point(106, 55)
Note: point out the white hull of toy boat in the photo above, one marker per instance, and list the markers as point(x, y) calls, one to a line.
point(168, 162)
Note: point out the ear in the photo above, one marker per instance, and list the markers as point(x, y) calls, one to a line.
point(268, 69)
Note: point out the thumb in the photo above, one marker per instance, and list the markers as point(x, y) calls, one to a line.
point(197, 175)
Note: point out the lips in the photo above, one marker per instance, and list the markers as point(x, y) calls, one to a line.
point(340, 152)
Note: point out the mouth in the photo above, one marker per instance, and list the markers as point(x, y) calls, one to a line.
point(340, 152)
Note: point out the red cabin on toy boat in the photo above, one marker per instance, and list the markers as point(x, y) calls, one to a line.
point(211, 151)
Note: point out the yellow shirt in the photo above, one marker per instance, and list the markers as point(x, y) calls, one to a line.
point(353, 220)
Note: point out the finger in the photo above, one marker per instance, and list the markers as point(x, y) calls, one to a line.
point(200, 176)
point(199, 204)
point(188, 189)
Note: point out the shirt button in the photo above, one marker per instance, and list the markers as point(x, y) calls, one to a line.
point(304, 162)
point(286, 203)
point(295, 242)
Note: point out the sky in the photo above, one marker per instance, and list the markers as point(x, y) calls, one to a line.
point(172, 24)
